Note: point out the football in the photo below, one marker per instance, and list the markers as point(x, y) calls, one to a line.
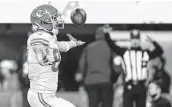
point(78, 16)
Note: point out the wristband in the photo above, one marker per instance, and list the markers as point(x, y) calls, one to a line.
point(75, 43)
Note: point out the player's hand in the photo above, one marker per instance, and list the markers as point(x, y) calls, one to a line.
point(78, 42)
point(148, 43)
point(145, 45)
point(71, 38)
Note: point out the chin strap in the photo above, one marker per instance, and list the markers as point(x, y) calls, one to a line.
point(40, 27)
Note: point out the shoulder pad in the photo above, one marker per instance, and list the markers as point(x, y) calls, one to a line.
point(39, 38)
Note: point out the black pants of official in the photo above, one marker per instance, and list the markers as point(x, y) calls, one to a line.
point(134, 95)
point(100, 94)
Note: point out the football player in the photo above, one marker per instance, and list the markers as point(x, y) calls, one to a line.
point(44, 57)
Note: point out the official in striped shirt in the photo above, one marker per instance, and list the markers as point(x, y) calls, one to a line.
point(136, 75)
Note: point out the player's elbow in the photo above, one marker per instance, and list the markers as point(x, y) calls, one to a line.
point(63, 49)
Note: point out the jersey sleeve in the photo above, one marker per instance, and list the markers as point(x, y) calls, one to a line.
point(158, 51)
point(39, 38)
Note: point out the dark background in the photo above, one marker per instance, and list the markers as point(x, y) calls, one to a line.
point(13, 37)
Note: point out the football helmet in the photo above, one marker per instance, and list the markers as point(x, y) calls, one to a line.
point(47, 17)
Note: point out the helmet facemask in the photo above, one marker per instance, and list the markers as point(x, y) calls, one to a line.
point(55, 22)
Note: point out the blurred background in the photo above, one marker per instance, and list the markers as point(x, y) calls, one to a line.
point(151, 18)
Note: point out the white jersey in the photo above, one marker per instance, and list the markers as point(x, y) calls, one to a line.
point(43, 79)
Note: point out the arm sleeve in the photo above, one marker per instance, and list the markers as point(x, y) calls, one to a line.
point(36, 41)
point(158, 51)
point(63, 46)
point(120, 51)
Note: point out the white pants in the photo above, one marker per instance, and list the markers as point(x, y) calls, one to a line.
point(46, 100)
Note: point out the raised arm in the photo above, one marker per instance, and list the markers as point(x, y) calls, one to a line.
point(64, 46)
point(156, 51)
point(119, 50)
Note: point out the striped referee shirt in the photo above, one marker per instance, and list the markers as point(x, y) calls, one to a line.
point(135, 60)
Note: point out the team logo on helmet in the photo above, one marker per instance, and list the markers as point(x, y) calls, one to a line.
point(41, 13)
